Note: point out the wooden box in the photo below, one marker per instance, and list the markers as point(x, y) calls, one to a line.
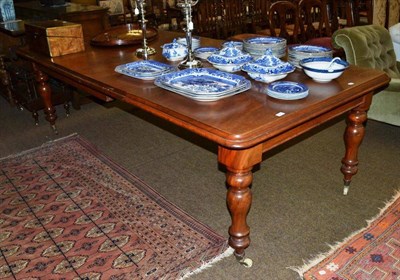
point(54, 37)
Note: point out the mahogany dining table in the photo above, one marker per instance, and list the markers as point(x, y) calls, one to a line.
point(244, 126)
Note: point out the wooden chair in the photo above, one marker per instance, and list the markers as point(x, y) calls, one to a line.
point(257, 13)
point(283, 21)
point(207, 18)
point(314, 21)
point(315, 26)
point(233, 18)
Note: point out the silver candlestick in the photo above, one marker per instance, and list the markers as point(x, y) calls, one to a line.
point(145, 51)
point(190, 61)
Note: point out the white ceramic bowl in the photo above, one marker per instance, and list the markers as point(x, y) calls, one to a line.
point(317, 68)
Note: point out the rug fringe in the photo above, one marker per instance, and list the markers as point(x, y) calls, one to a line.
point(39, 147)
point(308, 264)
point(228, 252)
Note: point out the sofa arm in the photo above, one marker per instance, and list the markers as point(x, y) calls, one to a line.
point(394, 85)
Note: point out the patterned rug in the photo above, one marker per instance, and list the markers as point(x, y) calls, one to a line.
point(69, 212)
point(370, 254)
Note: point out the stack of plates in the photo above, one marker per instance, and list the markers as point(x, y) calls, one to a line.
point(256, 46)
point(195, 42)
point(144, 69)
point(203, 84)
point(287, 90)
point(299, 52)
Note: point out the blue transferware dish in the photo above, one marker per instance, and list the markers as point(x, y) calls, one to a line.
point(203, 84)
point(204, 52)
point(268, 68)
point(144, 69)
point(229, 59)
point(287, 90)
point(174, 51)
point(323, 69)
point(236, 44)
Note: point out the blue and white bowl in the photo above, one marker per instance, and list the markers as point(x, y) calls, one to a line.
point(204, 52)
point(229, 59)
point(174, 51)
point(268, 68)
point(321, 70)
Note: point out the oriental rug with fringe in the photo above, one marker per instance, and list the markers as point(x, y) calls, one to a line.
point(69, 212)
point(370, 254)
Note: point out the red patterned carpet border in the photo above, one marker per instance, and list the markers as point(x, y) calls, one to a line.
point(370, 254)
point(69, 212)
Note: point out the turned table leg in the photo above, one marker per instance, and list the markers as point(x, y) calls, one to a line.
point(353, 137)
point(239, 177)
point(44, 90)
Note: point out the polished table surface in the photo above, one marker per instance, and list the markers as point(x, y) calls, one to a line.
point(243, 126)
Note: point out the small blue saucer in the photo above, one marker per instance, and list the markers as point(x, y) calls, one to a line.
point(287, 90)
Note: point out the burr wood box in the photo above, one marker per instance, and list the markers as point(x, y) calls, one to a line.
point(54, 37)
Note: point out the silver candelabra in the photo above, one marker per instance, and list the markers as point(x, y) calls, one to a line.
point(190, 61)
point(145, 51)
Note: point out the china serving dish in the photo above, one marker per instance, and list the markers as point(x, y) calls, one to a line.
point(203, 84)
point(236, 44)
point(229, 59)
point(204, 52)
point(287, 90)
point(144, 69)
point(256, 46)
point(299, 52)
point(174, 51)
point(324, 69)
point(268, 68)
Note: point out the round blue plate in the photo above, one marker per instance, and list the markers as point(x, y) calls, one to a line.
point(287, 90)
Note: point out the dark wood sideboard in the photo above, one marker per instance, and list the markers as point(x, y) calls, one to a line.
point(94, 19)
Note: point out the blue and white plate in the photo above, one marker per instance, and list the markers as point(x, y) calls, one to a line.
point(287, 90)
point(144, 69)
point(203, 84)
point(309, 49)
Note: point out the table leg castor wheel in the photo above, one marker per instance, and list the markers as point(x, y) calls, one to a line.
point(246, 262)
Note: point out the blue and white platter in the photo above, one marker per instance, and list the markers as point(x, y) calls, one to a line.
point(287, 90)
point(203, 84)
point(144, 69)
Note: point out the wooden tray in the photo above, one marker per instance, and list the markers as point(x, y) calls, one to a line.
point(123, 35)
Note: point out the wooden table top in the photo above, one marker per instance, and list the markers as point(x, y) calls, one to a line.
point(239, 121)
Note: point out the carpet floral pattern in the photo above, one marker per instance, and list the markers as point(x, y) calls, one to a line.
point(371, 253)
point(69, 212)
